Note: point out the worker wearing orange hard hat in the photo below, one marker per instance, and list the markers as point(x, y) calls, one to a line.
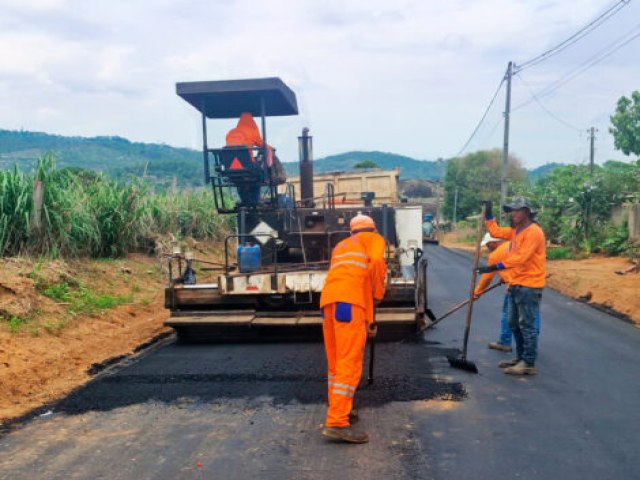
point(247, 134)
point(354, 285)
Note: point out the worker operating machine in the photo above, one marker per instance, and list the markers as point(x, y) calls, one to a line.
point(276, 261)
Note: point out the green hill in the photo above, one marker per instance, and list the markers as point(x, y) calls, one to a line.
point(409, 167)
point(116, 156)
point(542, 171)
point(123, 159)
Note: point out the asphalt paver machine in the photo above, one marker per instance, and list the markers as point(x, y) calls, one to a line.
point(277, 260)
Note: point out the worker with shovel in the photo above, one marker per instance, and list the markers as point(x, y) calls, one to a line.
point(355, 283)
point(499, 249)
point(526, 261)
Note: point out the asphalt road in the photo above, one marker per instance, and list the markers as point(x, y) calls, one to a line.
point(255, 410)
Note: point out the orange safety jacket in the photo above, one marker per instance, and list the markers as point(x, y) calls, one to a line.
point(246, 133)
point(357, 274)
point(527, 253)
point(495, 257)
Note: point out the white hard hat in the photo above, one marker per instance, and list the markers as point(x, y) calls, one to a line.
point(488, 239)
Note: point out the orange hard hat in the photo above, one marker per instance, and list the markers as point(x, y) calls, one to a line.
point(360, 222)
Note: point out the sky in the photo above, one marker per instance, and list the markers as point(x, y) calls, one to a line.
point(411, 77)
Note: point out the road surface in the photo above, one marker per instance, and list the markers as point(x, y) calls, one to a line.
point(255, 411)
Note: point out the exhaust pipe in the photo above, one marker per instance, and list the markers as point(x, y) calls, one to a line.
point(305, 145)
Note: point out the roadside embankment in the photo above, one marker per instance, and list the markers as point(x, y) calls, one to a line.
point(59, 318)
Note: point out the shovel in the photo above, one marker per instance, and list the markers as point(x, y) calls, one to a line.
point(461, 362)
point(458, 307)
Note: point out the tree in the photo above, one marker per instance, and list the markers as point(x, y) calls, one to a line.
point(576, 205)
point(416, 189)
point(626, 124)
point(477, 177)
point(366, 164)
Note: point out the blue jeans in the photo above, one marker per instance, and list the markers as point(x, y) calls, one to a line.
point(505, 331)
point(524, 308)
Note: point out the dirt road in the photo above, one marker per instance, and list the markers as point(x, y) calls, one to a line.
point(255, 410)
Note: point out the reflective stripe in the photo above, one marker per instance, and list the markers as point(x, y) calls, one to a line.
point(343, 385)
point(346, 393)
point(355, 254)
point(350, 262)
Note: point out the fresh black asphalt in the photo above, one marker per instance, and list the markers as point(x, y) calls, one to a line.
point(255, 410)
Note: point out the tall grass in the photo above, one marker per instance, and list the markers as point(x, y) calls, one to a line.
point(87, 214)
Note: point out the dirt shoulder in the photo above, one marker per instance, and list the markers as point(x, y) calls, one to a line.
point(59, 318)
point(592, 280)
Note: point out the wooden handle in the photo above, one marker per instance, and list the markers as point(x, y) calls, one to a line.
point(474, 276)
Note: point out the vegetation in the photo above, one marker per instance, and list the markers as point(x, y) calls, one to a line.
point(366, 164)
point(417, 189)
point(115, 156)
point(159, 164)
point(82, 299)
point(574, 206)
point(560, 253)
point(87, 214)
point(626, 124)
point(476, 177)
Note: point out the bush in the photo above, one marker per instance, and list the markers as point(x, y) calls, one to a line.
point(613, 240)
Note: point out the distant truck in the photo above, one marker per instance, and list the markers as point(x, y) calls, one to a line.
point(429, 230)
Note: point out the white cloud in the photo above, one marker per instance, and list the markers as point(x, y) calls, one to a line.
point(36, 4)
point(409, 76)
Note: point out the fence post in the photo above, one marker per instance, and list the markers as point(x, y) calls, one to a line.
point(36, 214)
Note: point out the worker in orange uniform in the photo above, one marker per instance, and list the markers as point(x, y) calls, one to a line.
point(247, 134)
point(499, 249)
point(354, 286)
point(526, 261)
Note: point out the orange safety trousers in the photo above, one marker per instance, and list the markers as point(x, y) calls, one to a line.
point(344, 344)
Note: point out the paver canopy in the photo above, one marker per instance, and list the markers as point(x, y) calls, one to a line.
point(231, 98)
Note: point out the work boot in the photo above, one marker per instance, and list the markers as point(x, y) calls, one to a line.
point(499, 346)
point(353, 416)
point(521, 368)
point(509, 363)
point(345, 434)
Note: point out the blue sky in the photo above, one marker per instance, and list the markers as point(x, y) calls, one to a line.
point(410, 77)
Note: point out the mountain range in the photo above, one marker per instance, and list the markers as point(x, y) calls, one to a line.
point(123, 159)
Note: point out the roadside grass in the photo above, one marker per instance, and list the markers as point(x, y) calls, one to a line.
point(560, 253)
point(83, 300)
point(16, 323)
point(87, 214)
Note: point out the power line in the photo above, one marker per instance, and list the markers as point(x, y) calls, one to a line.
point(583, 67)
point(492, 131)
point(544, 108)
point(583, 32)
point(484, 115)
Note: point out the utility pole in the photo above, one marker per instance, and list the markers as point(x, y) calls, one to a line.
point(440, 188)
point(591, 131)
point(455, 208)
point(505, 148)
point(589, 184)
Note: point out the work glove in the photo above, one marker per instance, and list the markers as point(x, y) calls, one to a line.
point(487, 269)
point(488, 208)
